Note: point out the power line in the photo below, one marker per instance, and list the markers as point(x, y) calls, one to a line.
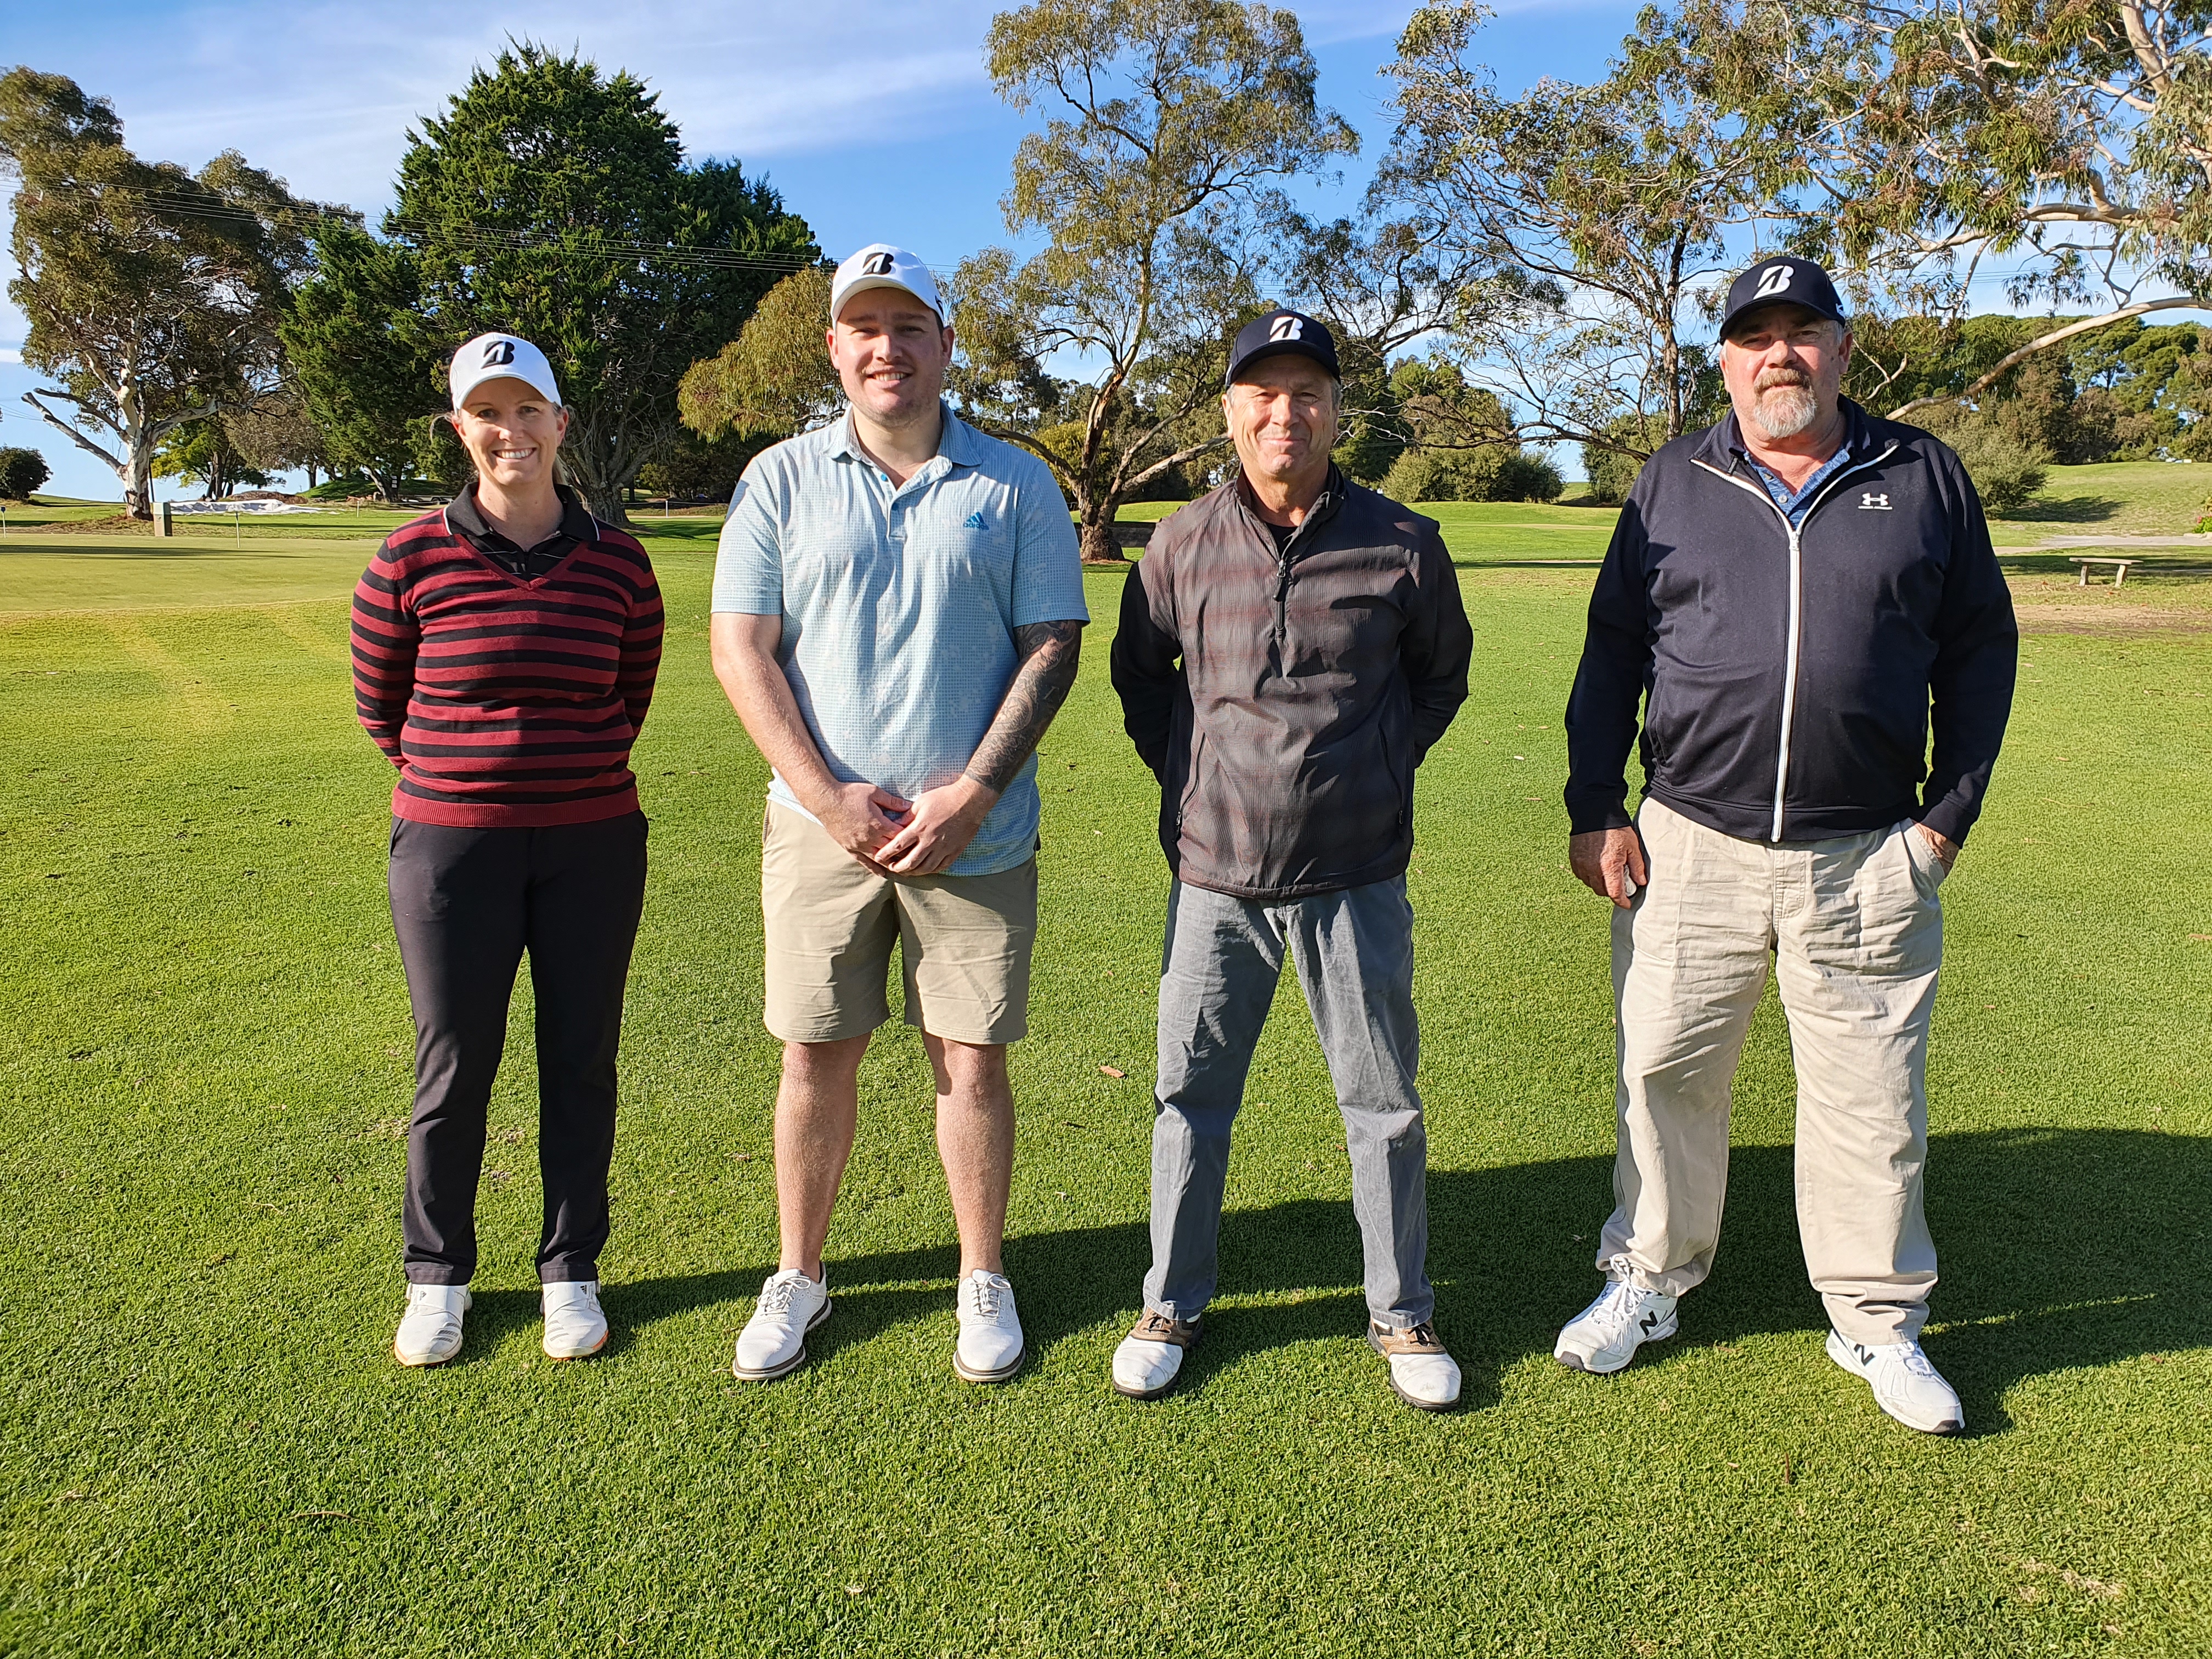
point(479, 237)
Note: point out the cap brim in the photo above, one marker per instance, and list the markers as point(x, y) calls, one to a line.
point(1772, 300)
point(1284, 348)
point(505, 371)
point(863, 284)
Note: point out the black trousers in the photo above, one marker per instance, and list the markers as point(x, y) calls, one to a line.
point(466, 904)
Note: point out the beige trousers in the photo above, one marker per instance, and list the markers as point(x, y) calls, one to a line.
point(1856, 933)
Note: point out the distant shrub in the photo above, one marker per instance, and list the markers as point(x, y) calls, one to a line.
point(2007, 473)
point(22, 471)
point(1497, 474)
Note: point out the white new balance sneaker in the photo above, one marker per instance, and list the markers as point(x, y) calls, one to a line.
point(1150, 1358)
point(774, 1340)
point(1422, 1374)
point(576, 1328)
point(430, 1330)
point(1604, 1337)
point(990, 1347)
point(1905, 1384)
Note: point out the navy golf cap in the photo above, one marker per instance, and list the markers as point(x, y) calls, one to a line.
point(1283, 334)
point(1784, 280)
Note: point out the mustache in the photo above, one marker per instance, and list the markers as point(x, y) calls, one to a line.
point(1771, 378)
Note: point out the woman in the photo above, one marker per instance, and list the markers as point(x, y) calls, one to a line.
point(504, 652)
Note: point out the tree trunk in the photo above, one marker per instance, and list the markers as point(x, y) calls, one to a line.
point(137, 472)
point(1095, 532)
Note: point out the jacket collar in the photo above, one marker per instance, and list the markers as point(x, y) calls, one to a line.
point(1326, 506)
point(464, 516)
point(1723, 446)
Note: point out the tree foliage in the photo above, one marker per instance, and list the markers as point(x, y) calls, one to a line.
point(776, 378)
point(152, 293)
point(2071, 138)
point(1155, 184)
point(1615, 202)
point(555, 202)
point(22, 471)
point(367, 360)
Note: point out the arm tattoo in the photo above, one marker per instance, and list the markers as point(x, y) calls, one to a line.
point(1049, 652)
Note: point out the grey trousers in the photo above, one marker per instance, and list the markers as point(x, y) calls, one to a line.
point(1353, 952)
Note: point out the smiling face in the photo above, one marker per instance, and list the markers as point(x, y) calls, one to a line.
point(1282, 416)
point(890, 354)
point(1784, 367)
point(511, 433)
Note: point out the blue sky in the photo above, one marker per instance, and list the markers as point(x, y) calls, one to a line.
point(874, 119)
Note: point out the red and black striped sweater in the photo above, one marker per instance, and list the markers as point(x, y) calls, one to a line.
point(507, 703)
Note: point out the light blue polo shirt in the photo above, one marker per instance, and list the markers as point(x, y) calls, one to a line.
point(899, 605)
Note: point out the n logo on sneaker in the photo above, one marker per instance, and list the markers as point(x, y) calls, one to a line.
point(1650, 1322)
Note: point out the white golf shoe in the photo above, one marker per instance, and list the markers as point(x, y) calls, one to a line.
point(1422, 1374)
point(774, 1340)
point(1905, 1384)
point(1150, 1358)
point(576, 1328)
point(1605, 1336)
point(990, 1347)
point(430, 1330)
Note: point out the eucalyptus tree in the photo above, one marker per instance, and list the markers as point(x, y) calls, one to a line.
point(152, 293)
point(2067, 142)
point(1155, 184)
point(1616, 202)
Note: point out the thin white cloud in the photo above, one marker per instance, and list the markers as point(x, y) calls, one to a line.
point(324, 94)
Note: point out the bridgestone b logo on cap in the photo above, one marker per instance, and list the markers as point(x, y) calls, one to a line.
point(877, 265)
point(497, 354)
point(1772, 281)
point(1285, 328)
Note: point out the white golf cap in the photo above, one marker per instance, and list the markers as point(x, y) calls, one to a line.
point(502, 357)
point(881, 266)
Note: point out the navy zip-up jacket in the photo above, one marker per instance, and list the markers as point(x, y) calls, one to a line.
point(1788, 676)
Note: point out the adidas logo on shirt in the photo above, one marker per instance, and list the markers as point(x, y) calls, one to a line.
point(975, 521)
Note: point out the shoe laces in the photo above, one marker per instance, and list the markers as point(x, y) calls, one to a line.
point(1910, 1358)
point(1616, 1303)
point(984, 1293)
point(776, 1295)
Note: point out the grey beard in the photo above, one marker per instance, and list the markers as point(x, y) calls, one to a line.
point(1784, 411)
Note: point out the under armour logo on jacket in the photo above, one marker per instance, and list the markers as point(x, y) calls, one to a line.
point(877, 265)
point(1870, 502)
point(1772, 281)
point(498, 354)
point(1285, 328)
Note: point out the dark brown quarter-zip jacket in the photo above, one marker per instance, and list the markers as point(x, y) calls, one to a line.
point(1283, 700)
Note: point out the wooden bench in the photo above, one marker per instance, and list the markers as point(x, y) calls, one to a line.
point(2122, 563)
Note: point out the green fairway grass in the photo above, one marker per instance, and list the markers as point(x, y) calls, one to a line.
point(207, 1447)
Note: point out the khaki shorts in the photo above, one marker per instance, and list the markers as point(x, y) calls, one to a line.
point(831, 921)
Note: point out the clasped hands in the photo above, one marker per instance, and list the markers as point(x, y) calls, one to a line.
point(901, 838)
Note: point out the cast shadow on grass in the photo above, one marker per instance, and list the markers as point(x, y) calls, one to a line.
point(2060, 1249)
point(2073, 509)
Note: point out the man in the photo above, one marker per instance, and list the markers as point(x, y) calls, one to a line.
point(1323, 649)
point(897, 610)
point(1793, 590)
